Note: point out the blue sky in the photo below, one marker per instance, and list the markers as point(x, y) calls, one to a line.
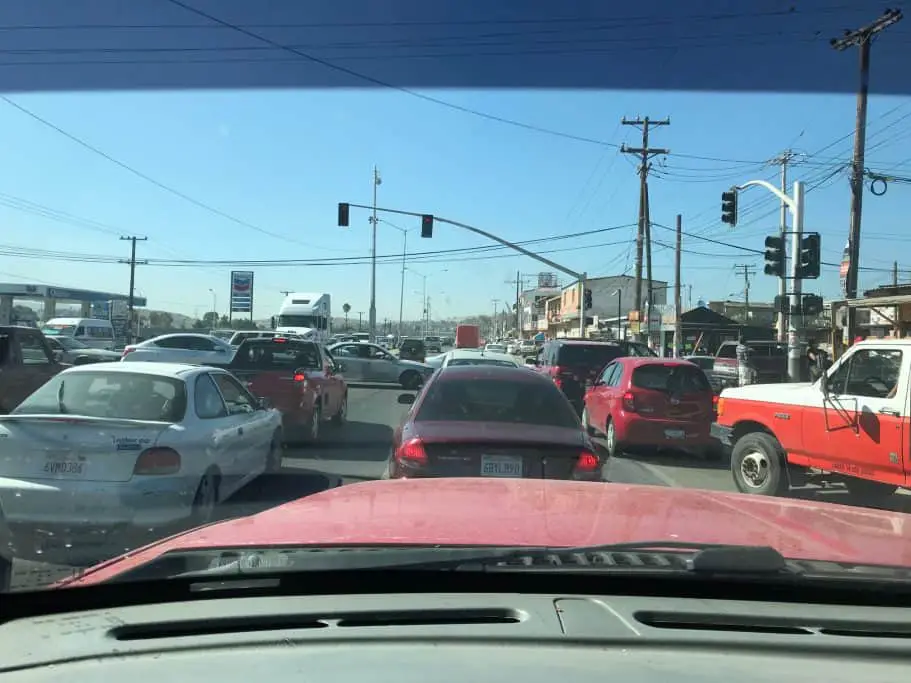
point(282, 160)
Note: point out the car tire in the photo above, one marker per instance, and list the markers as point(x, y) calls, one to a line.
point(316, 423)
point(612, 446)
point(205, 500)
point(341, 415)
point(276, 453)
point(410, 380)
point(758, 465)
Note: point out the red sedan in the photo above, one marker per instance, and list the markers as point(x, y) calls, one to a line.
point(490, 421)
point(652, 403)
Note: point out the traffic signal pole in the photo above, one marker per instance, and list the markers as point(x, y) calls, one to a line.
point(795, 204)
point(427, 221)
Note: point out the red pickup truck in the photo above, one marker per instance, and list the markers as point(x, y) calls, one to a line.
point(26, 362)
point(299, 377)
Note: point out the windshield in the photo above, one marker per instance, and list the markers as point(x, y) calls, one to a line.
point(59, 330)
point(559, 202)
point(497, 401)
point(307, 321)
point(105, 394)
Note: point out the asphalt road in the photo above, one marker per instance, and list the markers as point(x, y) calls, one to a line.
point(357, 453)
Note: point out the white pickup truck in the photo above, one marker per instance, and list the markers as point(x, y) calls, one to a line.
point(853, 426)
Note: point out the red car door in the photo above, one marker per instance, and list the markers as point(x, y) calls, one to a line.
point(598, 400)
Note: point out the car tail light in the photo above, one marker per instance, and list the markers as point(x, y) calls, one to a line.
point(719, 406)
point(557, 374)
point(412, 453)
point(157, 461)
point(587, 461)
point(629, 402)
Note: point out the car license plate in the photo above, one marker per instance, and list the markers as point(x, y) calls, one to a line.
point(674, 434)
point(501, 466)
point(69, 466)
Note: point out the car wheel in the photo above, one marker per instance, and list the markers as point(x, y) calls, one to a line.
point(410, 380)
point(341, 417)
point(316, 420)
point(276, 453)
point(758, 465)
point(206, 499)
point(610, 433)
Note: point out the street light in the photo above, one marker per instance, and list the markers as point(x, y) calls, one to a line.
point(214, 307)
point(424, 295)
point(377, 181)
point(404, 254)
point(619, 294)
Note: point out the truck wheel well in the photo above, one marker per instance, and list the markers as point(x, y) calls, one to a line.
point(741, 429)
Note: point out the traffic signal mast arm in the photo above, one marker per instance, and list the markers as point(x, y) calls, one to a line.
point(790, 201)
point(499, 240)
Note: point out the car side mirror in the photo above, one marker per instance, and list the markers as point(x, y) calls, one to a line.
point(406, 399)
point(265, 403)
point(531, 361)
point(58, 356)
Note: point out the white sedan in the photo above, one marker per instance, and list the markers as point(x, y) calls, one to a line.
point(197, 349)
point(477, 357)
point(104, 456)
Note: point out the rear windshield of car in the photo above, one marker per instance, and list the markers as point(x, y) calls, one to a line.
point(481, 361)
point(581, 355)
point(413, 344)
point(671, 378)
point(121, 395)
point(272, 355)
point(499, 400)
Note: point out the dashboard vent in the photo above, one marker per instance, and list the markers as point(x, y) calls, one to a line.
point(195, 628)
point(744, 623)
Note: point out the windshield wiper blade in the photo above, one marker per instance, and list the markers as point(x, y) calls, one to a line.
point(233, 563)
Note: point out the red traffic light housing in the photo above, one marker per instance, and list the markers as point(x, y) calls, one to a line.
point(426, 225)
point(343, 210)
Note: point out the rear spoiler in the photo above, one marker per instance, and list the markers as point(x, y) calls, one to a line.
point(75, 419)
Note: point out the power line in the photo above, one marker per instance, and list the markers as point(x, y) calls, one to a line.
point(157, 183)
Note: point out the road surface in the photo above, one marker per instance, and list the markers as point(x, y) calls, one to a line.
point(357, 453)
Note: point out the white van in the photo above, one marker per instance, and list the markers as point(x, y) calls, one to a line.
point(93, 332)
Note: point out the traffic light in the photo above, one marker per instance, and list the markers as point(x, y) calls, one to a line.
point(810, 256)
point(343, 215)
point(587, 299)
point(774, 256)
point(811, 304)
point(426, 225)
point(729, 207)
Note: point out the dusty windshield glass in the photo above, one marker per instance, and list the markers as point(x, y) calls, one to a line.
point(572, 199)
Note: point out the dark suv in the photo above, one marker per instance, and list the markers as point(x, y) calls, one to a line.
point(574, 364)
point(413, 349)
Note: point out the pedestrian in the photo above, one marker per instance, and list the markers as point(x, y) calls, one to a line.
point(745, 373)
point(814, 360)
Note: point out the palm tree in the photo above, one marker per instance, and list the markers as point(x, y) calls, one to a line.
point(345, 309)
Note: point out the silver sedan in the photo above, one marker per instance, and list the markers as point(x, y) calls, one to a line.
point(367, 362)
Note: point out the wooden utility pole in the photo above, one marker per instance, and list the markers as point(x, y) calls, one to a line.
point(895, 273)
point(748, 271)
point(678, 253)
point(645, 154)
point(133, 239)
point(861, 38)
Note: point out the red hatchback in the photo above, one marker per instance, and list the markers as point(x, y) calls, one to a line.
point(491, 421)
point(652, 403)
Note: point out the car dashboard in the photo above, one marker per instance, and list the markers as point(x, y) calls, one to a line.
point(461, 637)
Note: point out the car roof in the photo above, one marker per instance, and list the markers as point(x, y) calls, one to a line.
point(172, 370)
point(480, 353)
point(651, 360)
point(585, 342)
point(517, 373)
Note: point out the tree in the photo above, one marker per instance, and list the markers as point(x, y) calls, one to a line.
point(160, 319)
point(345, 309)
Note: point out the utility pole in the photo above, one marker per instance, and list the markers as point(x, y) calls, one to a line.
point(678, 253)
point(133, 263)
point(285, 292)
point(895, 273)
point(861, 38)
point(645, 154)
point(747, 271)
point(783, 160)
point(377, 181)
point(360, 321)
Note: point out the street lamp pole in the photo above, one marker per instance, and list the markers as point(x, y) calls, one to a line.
point(402, 289)
point(214, 307)
point(619, 314)
point(377, 181)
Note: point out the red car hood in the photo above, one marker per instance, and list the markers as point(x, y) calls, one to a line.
point(537, 512)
